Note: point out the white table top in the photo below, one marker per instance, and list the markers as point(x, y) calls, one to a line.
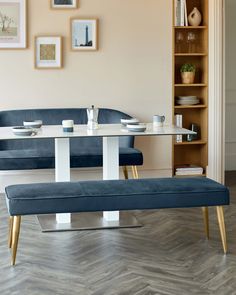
point(106, 130)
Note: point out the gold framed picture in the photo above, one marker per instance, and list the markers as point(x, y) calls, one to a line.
point(48, 52)
point(13, 23)
point(64, 4)
point(84, 34)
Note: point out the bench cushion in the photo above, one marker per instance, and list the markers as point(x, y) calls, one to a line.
point(43, 159)
point(111, 195)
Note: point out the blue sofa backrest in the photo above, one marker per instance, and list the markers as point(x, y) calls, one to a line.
point(55, 117)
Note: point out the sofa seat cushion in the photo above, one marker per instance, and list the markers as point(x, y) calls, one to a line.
point(112, 195)
point(45, 159)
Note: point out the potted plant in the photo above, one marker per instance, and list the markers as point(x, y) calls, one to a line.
point(188, 73)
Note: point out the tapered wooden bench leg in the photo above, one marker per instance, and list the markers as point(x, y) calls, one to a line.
point(15, 237)
point(125, 172)
point(10, 231)
point(206, 221)
point(221, 221)
point(135, 172)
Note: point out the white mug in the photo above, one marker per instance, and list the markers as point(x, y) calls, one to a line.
point(158, 120)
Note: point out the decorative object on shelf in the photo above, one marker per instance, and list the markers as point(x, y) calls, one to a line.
point(48, 52)
point(68, 125)
point(179, 41)
point(64, 4)
point(84, 34)
point(179, 123)
point(188, 73)
point(195, 17)
point(13, 24)
point(196, 128)
point(158, 120)
point(192, 42)
point(92, 114)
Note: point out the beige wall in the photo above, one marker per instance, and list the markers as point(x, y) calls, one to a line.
point(130, 72)
point(230, 85)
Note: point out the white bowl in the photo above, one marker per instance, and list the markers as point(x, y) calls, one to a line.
point(137, 128)
point(132, 121)
point(33, 124)
point(23, 131)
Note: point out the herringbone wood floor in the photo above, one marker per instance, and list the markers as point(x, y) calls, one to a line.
point(169, 255)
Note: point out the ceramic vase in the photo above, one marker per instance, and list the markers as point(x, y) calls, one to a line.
point(195, 17)
point(188, 77)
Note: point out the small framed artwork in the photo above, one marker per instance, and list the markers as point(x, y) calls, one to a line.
point(64, 4)
point(13, 21)
point(84, 34)
point(48, 52)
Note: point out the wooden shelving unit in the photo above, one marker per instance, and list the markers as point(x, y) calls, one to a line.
point(194, 152)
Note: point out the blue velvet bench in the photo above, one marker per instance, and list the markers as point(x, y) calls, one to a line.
point(85, 152)
point(112, 195)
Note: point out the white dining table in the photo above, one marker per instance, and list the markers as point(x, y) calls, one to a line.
point(110, 134)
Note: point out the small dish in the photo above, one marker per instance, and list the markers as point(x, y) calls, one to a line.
point(33, 124)
point(132, 121)
point(137, 128)
point(23, 131)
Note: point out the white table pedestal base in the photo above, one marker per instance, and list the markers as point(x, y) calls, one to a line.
point(111, 168)
point(62, 170)
point(87, 221)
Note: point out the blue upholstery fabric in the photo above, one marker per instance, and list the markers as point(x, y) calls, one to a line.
point(38, 154)
point(111, 195)
point(43, 159)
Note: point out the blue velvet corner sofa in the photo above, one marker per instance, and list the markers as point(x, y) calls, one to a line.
point(86, 152)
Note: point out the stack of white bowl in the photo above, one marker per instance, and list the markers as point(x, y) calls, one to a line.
point(187, 100)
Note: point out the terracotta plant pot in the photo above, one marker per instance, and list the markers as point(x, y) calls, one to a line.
point(188, 77)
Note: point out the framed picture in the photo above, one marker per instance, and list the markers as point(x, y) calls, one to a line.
point(13, 24)
point(84, 34)
point(48, 52)
point(64, 4)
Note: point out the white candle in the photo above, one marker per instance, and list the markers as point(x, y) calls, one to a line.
point(67, 123)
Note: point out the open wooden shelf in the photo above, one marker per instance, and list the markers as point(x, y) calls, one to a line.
point(190, 27)
point(196, 106)
point(190, 175)
point(196, 53)
point(192, 85)
point(194, 142)
point(190, 54)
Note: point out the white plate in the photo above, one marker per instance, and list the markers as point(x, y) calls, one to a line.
point(187, 97)
point(23, 131)
point(33, 124)
point(133, 121)
point(137, 128)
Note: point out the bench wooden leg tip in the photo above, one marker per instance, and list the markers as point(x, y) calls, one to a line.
point(221, 221)
point(15, 237)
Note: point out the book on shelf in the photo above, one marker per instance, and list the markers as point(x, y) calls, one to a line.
point(188, 170)
point(185, 13)
point(179, 123)
point(181, 15)
point(177, 13)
